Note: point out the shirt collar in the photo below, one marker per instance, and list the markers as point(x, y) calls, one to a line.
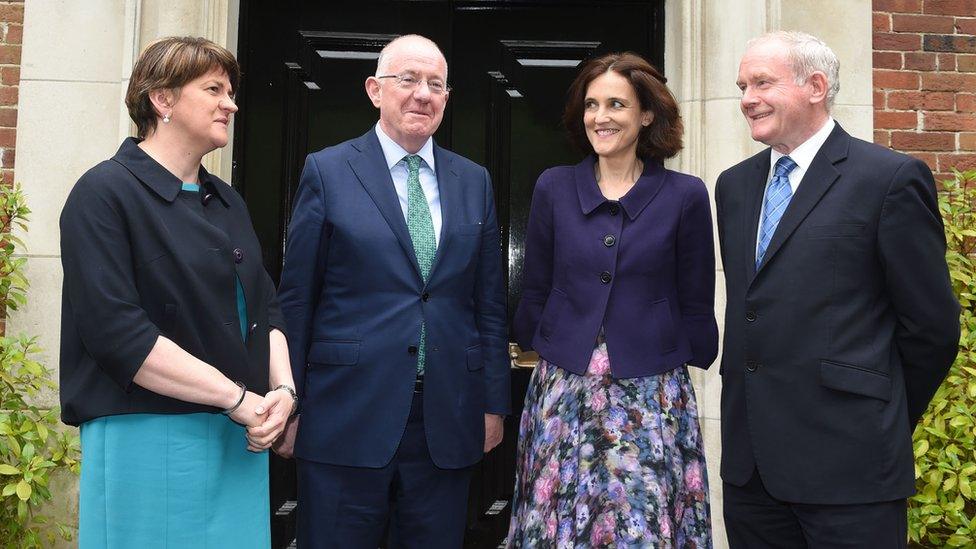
point(633, 202)
point(803, 155)
point(394, 153)
point(159, 179)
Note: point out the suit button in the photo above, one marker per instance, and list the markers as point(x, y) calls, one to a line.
point(425, 297)
point(412, 350)
point(605, 277)
point(751, 316)
point(207, 198)
point(251, 329)
point(238, 255)
point(609, 240)
point(614, 209)
point(752, 366)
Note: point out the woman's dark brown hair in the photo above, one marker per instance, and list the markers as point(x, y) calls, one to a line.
point(662, 138)
point(169, 63)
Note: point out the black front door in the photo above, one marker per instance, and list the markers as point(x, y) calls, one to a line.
point(510, 63)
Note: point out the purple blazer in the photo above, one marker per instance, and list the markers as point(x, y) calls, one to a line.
point(642, 267)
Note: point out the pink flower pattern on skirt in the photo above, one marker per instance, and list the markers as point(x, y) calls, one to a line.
point(606, 462)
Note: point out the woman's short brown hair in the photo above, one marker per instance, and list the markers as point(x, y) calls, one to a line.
point(169, 63)
point(662, 138)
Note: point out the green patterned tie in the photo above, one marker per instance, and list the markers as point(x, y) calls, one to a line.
point(421, 228)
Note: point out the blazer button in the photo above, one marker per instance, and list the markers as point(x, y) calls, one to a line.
point(412, 350)
point(206, 198)
point(609, 240)
point(605, 277)
point(752, 366)
point(614, 209)
point(751, 316)
point(251, 329)
point(238, 255)
point(425, 297)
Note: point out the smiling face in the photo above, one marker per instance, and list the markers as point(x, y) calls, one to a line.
point(780, 112)
point(612, 116)
point(410, 117)
point(203, 109)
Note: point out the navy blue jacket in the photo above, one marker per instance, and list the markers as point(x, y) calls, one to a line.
point(142, 260)
point(835, 346)
point(354, 300)
point(643, 268)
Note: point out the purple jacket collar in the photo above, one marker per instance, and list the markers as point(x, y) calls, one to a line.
point(636, 199)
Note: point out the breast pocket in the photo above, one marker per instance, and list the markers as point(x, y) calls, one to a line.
point(469, 229)
point(840, 230)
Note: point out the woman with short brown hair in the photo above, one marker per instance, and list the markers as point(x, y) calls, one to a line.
point(171, 335)
point(661, 139)
point(617, 298)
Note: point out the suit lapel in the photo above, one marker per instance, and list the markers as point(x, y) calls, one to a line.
point(818, 179)
point(755, 189)
point(370, 167)
point(449, 187)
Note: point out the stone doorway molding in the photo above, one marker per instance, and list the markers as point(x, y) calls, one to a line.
point(704, 40)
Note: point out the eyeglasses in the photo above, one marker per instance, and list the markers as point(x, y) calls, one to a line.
point(410, 83)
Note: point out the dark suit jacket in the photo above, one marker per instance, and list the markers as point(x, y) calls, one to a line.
point(354, 300)
point(142, 260)
point(834, 347)
point(643, 268)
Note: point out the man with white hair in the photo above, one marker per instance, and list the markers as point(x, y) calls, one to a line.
point(840, 319)
point(393, 294)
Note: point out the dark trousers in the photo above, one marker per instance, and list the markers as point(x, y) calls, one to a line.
point(349, 507)
point(755, 520)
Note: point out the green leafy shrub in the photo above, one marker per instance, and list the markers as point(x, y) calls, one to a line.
point(31, 446)
point(943, 512)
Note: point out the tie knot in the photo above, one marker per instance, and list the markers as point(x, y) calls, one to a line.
point(784, 166)
point(413, 162)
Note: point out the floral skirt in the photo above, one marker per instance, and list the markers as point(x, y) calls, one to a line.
point(606, 462)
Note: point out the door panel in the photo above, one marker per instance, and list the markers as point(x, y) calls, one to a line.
point(323, 107)
point(525, 134)
point(510, 64)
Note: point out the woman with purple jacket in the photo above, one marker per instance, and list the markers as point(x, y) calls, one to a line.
point(617, 299)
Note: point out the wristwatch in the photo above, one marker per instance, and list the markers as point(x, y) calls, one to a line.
point(294, 397)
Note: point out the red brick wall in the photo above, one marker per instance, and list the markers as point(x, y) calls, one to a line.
point(925, 80)
point(11, 37)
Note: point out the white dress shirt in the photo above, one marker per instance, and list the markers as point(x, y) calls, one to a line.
point(399, 171)
point(803, 156)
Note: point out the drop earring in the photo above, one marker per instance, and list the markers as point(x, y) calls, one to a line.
point(165, 119)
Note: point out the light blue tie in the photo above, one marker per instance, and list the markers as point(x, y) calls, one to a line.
point(421, 228)
point(778, 196)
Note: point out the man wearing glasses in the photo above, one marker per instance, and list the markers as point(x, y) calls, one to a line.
point(392, 291)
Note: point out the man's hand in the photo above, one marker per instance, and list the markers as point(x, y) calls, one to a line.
point(494, 430)
point(277, 405)
point(285, 445)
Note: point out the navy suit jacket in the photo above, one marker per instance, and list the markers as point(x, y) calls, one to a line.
point(835, 345)
point(643, 268)
point(354, 301)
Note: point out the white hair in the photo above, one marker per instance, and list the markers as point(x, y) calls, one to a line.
point(383, 61)
point(807, 54)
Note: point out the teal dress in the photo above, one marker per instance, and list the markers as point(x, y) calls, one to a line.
point(172, 480)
